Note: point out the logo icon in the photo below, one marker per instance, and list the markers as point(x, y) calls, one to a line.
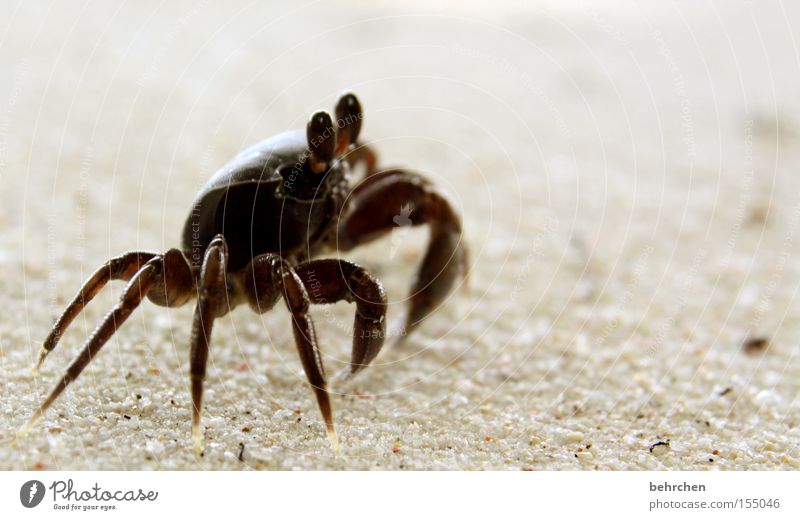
point(31, 493)
point(402, 223)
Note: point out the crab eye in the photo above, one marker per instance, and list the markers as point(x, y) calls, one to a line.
point(348, 119)
point(321, 136)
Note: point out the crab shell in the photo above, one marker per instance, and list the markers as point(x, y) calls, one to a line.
point(266, 200)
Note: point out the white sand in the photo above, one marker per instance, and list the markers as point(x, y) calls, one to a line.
point(629, 183)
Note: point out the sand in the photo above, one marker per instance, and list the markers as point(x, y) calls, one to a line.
point(628, 178)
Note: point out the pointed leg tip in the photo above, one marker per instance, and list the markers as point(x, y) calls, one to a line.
point(197, 439)
point(38, 364)
point(344, 376)
point(198, 446)
point(333, 439)
point(23, 432)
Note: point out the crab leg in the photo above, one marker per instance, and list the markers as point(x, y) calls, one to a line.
point(133, 295)
point(363, 153)
point(122, 267)
point(211, 303)
point(376, 204)
point(329, 281)
point(266, 279)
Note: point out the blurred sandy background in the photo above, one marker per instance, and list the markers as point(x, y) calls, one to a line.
point(628, 177)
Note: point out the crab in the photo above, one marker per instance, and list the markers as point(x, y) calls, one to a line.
point(255, 234)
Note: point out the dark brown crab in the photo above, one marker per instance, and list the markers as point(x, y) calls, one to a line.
point(251, 237)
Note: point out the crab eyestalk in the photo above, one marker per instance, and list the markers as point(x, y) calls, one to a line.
point(348, 120)
point(321, 136)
